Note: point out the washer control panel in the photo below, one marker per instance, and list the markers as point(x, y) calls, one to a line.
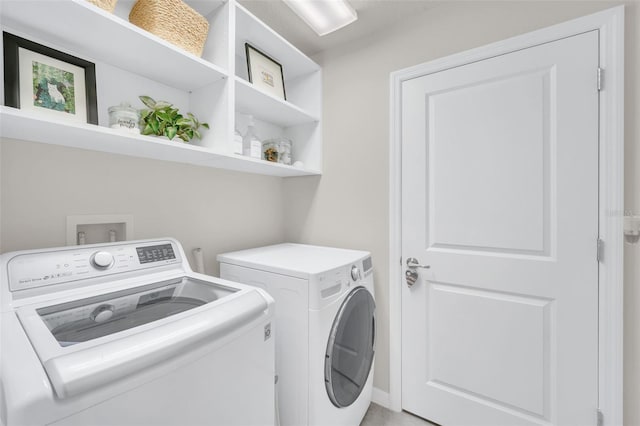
point(60, 266)
point(102, 260)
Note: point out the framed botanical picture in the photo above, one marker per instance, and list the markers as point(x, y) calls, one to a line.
point(48, 82)
point(264, 72)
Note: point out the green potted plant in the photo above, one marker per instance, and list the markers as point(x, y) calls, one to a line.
point(163, 119)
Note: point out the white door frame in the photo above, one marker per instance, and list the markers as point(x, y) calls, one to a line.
point(610, 24)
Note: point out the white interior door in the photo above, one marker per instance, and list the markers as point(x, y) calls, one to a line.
point(500, 199)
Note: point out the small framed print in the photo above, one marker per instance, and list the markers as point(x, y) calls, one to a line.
point(48, 82)
point(264, 72)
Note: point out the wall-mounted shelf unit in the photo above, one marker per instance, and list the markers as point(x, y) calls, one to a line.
point(132, 62)
point(17, 124)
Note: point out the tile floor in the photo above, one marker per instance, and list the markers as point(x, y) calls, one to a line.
point(380, 416)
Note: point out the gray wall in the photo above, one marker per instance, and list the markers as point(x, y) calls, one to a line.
point(201, 207)
point(349, 205)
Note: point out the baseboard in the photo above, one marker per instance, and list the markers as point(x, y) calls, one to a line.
point(381, 397)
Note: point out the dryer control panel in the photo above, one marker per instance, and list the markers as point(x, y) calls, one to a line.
point(331, 284)
point(47, 268)
point(367, 266)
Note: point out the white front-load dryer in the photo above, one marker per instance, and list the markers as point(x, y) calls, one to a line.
point(325, 327)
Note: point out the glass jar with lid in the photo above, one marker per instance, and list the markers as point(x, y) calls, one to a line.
point(270, 150)
point(124, 117)
point(284, 150)
point(277, 150)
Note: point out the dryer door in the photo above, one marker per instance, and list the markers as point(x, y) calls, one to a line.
point(350, 348)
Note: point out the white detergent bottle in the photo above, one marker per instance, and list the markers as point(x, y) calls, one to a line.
point(251, 145)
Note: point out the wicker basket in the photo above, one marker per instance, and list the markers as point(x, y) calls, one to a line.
point(108, 5)
point(172, 20)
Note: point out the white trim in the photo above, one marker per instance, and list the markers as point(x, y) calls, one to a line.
point(610, 24)
point(380, 397)
point(395, 245)
point(612, 217)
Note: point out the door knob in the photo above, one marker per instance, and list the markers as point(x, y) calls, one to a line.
point(413, 263)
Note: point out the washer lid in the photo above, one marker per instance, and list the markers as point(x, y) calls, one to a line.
point(296, 260)
point(99, 316)
point(86, 343)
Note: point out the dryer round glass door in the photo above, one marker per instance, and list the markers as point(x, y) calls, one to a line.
point(350, 348)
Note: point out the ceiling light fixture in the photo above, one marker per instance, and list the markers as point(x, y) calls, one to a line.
point(324, 16)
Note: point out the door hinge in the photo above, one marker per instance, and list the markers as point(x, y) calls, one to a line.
point(600, 250)
point(599, 78)
point(600, 418)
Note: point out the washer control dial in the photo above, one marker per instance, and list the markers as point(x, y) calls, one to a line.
point(355, 273)
point(102, 260)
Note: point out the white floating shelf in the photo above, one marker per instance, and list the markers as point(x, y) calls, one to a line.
point(92, 32)
point(250, 100)
point(16, 124)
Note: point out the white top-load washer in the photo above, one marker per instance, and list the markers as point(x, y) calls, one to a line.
point(127, 334)
point(325, 327)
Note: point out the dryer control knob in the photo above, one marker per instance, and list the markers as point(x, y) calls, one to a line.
point(102, 260)
point(355, 273)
